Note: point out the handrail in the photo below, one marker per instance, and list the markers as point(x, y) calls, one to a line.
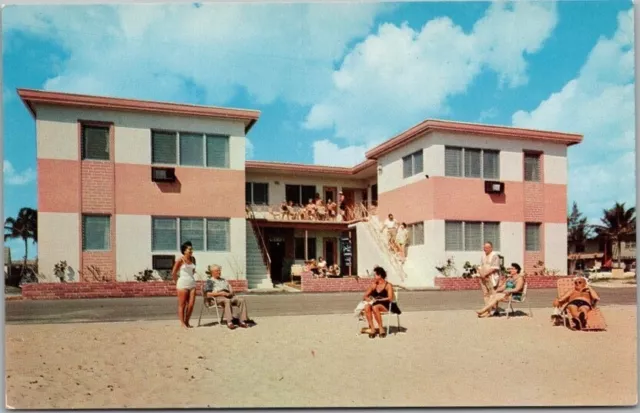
point(385, 248)
point(357, 213)
point(256, 231)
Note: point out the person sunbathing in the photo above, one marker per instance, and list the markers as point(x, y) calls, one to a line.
point(512, 285)
point(578, 302)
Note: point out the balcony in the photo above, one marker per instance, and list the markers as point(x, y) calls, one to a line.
point(320, 216)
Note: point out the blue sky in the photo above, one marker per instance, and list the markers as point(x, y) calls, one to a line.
point(334, 80)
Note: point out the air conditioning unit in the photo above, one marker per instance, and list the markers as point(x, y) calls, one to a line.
point(163, 174)
point(493, 187)
point(163, 264)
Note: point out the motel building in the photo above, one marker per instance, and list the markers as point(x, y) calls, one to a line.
point(122, 183)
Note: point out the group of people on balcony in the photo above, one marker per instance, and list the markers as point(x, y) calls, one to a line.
point(316, 210)
point(320, 268)
point(397, 237)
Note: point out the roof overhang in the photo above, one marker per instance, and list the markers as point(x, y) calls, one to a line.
point(360, 171)
point(31, 98)
point(308, 225)
point(506, 132)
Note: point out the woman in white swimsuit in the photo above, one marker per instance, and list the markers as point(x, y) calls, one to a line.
point(183, 276)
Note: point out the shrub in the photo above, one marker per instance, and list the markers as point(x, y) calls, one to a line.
point(145, 276)
point(60, 271)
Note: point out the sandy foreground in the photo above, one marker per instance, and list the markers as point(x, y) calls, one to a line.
point(444, 358)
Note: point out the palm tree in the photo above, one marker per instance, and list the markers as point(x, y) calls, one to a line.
point(578, 233)
point(25, 227)
point(616, 223)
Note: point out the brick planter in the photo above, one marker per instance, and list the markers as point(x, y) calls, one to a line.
point(333, 285)
point(127, 289)
point(459, 283)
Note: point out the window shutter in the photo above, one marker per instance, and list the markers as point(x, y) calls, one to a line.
point(453, 236)
point(532, 237)
point(532, 167)
point(217, 235)
point(452, 161)
point(418, 162)
point(218, 151)
point(191, 149)
point(406, 166)
point(95, 143)
point(164, 234)
point(192, 229)
point(163, 148)
point(472, 163)
point(491, 164)
point(472, 236)
point(96, 233)
point(492, 234)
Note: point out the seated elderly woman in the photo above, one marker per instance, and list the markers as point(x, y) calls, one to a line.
point(578, 302)
point(512, 285)
point(379, 299)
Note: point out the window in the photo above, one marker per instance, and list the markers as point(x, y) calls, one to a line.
point(299, 248)
point(95, 142)
point(374, 194)
point(532, 167)
point(416, 233)
point(190, 149)
point(532, 237)
point(471, 236)
point(206, 234)
point(412, 164)
point(164, 234)
point(257, 193)
point(96, 233)
point(471, 163)
point(300, 194)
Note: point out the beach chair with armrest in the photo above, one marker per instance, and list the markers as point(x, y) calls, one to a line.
point(595, 319)
point(522, 299)
point(208, 304)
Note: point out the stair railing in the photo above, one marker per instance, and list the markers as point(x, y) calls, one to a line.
point(256, 231)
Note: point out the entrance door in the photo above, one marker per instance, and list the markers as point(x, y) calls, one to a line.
point(330, 193)
point(276, 253)
point(330, 250)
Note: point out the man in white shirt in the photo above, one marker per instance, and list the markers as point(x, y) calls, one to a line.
point(489, 271)
point(391, 227)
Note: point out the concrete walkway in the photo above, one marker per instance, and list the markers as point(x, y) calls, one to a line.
point(276, 304)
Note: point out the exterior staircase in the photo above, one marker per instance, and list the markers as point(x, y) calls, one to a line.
point(257, 271)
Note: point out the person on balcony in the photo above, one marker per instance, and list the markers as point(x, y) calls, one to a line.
point(342, 207)
point(310, 211)
point(331, 209)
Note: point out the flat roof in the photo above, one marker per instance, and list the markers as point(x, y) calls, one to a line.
point(32, 97)
point(507, 132)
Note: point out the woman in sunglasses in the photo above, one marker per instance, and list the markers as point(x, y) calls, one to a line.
point(579, 302)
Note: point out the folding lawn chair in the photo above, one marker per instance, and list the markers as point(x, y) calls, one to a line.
point(208, 303)
point(595, 319)
point(522, 299)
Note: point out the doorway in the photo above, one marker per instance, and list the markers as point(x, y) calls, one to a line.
point(330, 251)
point(276, 253)
point(349, 201)
point(330, 193)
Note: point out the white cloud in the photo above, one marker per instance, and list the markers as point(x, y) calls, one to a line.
point(328, 153)
point(13, 177)
point(174, 51)
point(399, 76)
point(248, 149)
point(598, 103)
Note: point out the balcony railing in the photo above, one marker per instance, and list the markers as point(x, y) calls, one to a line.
point(355, 213)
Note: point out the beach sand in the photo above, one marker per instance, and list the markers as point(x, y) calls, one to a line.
point(445, 358)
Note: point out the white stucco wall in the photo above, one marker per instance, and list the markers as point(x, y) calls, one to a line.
point(57, 131)
point(134, 254)
point(555, 247)
point(58, 240)
point(511, 158)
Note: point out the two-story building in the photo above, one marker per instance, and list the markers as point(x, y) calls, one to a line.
point(122, 183)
